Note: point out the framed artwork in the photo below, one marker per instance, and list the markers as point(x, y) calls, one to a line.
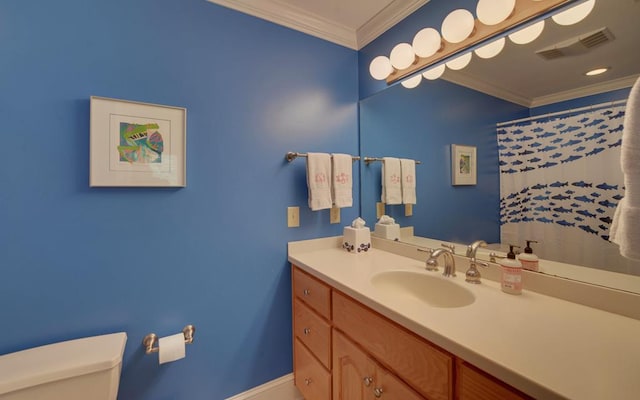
point(137, 144)
point(463, 165)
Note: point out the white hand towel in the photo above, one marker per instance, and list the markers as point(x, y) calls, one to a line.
point(342, 180)
point(625, 228)
point(408, 170)
point(319, 180)
point(391, 181)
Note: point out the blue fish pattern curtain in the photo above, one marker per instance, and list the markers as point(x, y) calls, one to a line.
point(560, 182)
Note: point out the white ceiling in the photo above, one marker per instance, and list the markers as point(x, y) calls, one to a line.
point(517, 74)
point(350, 23)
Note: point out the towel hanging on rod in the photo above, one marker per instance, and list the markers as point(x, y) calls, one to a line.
point(291, 155)
point(368, 160)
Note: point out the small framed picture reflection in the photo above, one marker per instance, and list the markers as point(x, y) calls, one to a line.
point(463, 165)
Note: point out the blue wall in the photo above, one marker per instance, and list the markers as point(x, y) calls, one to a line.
point(421, 124)
point(77, 261)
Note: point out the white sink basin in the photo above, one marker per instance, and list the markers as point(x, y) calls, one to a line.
point(433, 290)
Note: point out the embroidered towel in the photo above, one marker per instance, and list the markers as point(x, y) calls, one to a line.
point(319, 180)
point(342, 180)
point(391, 181)
point(625, 227)
point(408, 171)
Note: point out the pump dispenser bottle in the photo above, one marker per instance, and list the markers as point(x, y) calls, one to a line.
point(528, 259)
point(511, 280)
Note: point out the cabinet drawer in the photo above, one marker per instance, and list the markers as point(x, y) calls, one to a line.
point(313, 381)
point(313, 292)
point(473, 384)
point(313, 331)
point(426, 368)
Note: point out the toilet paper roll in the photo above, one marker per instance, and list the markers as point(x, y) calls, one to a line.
point(171, 348)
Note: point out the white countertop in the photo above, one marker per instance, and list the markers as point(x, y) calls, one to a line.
point(546, 347)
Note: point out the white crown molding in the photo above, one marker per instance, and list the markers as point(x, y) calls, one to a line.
point(315, 25)
point(460, 78)
point(597, 88)
point(395, 12)
point(297, 19)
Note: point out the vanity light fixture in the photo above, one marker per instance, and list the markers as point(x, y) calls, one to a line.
point(528, 34)
point(597, 71)
point(460, 31)
point(574, 14)
point(412, 82)
point(459, 62)
point(491, 50)
point(458, 25)
point(434, 73)
point(402, 56)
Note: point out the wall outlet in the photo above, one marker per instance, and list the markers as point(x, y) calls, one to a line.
point(408, 210)
point(379, 209)
point(334, 215)
point(293, 217)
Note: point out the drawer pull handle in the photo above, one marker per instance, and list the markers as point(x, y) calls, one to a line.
point(306, 292)
point(377, 392)
point(306, 331)
point(307, 381)
point(368, 381)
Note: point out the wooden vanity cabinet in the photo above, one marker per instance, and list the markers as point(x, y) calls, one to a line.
point(343, 350)
point(311, 336)
point(356, 376)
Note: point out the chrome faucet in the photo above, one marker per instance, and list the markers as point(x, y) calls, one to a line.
point(473, 275)
point(473, 247)
point(449, 261)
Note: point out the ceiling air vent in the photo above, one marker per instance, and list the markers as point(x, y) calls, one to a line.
point(577, 45)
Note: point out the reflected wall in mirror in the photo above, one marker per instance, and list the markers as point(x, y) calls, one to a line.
point(465, 106)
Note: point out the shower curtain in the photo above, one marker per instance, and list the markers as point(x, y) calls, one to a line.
point(560, 181)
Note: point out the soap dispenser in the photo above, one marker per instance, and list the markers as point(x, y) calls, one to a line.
point(511, 277)
point(528, 259)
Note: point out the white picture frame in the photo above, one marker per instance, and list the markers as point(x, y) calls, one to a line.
point(134, 144)
point(463, 165)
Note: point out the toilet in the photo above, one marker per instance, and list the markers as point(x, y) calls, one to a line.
point(81, 369)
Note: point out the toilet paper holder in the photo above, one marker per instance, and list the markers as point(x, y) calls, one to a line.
point(150, 341)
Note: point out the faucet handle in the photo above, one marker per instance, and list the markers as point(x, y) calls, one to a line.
point(473, 275)
point(449, 246)
point(425, 250)
point(493, 256)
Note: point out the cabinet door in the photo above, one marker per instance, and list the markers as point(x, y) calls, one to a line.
point(476, 385)
point(353, 371)
point(313, 381)
point(388, 386)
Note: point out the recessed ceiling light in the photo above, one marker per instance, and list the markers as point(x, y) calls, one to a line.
point(597, 71)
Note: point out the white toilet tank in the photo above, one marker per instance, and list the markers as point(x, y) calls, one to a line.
point(82, 369)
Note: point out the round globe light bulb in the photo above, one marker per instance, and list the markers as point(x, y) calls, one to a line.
point(434, 73)
point(412, 82)
point(492, 12)
point(459, 62)
point(458, 25)
point(492, 49)
point(575, 14)
point(528, 34)
point(427, 42)
point(380, 68)
point(402, 56)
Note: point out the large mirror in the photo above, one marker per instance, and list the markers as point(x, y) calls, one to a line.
point(464, 107)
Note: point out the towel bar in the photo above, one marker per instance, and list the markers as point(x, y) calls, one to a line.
point(368, 160)
point(290, 156)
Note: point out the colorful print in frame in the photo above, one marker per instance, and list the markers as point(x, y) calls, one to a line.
point(137, 144)
point(463, 165)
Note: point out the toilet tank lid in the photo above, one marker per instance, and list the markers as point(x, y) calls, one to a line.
point(61, 360)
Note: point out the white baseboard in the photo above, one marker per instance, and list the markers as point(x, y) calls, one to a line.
point(282, 388)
